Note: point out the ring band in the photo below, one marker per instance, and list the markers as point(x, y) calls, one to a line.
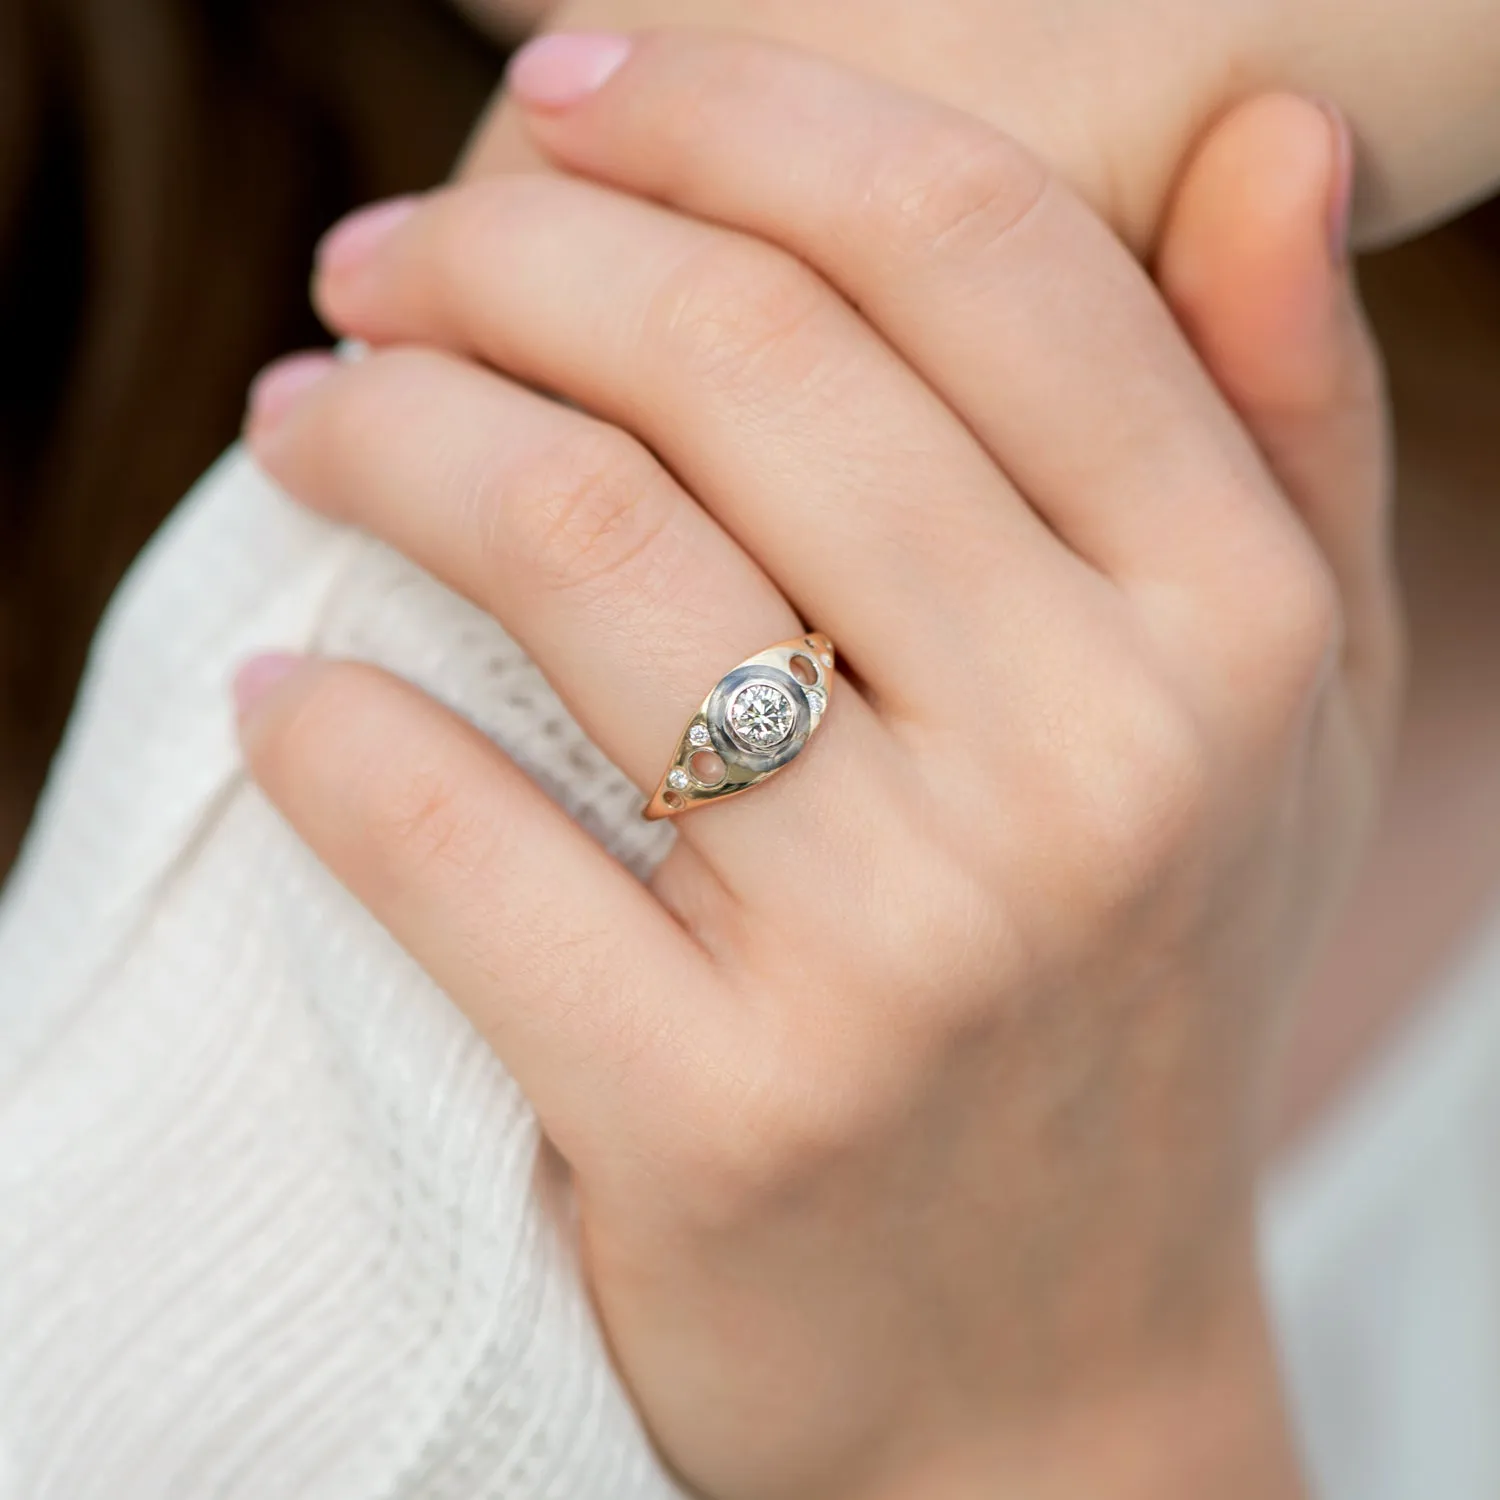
point(757, 720)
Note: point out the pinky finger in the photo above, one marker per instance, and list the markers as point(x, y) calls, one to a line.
point(562, 960)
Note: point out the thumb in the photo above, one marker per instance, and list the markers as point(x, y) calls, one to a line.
point(1254, 264)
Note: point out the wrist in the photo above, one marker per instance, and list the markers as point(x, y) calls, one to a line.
point(1206, 1417)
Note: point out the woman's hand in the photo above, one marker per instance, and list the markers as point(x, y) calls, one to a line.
point(913, 1109)
point(1113, 94)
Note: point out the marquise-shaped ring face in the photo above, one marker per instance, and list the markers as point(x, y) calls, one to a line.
point(757, 720)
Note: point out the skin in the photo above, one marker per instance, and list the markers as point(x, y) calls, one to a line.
point(1425, 114)
point(1114, 94)
point(970, 1145)
point(1434, 875)
point(1427, 120)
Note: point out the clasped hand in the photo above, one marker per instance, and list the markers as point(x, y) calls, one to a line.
point(912, 1107)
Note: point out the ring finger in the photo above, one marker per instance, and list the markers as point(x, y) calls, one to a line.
point(879, 515)
point(632, 600)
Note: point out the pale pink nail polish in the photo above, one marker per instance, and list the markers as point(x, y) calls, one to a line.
point(355, 239)
point(259, 675)
point(278, 388)
point(1341, 194)
point(555, 71)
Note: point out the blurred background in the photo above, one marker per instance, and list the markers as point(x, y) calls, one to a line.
point(166, 167)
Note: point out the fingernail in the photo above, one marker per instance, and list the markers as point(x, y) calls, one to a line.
point(278, 388)
point(356, 237)
point(1341, 196)
point(555, 71)
point(259, 675)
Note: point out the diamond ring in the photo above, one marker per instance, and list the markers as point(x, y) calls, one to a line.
point(758, 719)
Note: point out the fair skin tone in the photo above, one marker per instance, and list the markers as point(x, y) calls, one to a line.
point(1037, 1470)
point(1434, 874)
point(898, 1185)
point(1114, 93)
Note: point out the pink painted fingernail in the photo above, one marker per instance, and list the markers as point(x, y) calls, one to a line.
point(278, 388)
point(357, 236)
point(555, 71)
point(1341, 194)
point(259, 675)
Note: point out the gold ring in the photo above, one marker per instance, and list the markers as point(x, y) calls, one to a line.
point(757, 720)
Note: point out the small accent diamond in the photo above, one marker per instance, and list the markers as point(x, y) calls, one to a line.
point(816, 701)
point(679, 780)
point(761, 716)
point(698, 735)
point(826, 659)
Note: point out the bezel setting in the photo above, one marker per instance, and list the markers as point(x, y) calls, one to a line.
point(786, 688)
point(731, 746)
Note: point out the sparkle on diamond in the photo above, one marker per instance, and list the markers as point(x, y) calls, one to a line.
point(761, 716)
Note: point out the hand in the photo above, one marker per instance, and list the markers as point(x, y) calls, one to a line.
point(1113, 94)
point(912, 1110)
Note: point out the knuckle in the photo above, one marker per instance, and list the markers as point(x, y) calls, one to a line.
point(921, 956)
point(730, 308)
point(418, 818)
point(811, 1099)
point(1145, 795)
point(410, 811)
point(956, 185)
point(585, 511)
point(1296, 631)
point(771, 1137)
point(1308, 631)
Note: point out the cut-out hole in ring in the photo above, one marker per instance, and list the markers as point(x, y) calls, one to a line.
point(708, 768)
point(674, 800)
point(805, 670)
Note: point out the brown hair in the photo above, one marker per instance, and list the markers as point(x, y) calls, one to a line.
point(165, 169)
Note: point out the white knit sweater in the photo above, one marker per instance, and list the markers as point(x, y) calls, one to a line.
point(273, 1221)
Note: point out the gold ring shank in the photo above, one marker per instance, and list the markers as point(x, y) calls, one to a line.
point(756, 722)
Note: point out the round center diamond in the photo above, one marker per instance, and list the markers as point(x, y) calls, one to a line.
point(761, 717)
